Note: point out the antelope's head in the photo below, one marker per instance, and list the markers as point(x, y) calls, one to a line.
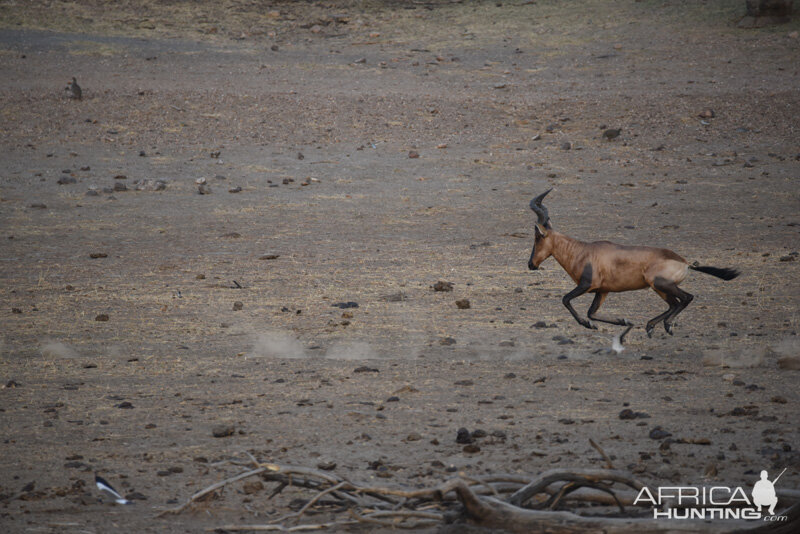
point(542, 245)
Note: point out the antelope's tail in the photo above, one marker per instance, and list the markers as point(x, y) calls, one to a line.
point(725, 274)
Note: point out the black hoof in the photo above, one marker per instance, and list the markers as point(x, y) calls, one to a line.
point(649, 331)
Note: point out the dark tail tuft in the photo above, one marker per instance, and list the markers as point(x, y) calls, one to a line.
point(725, 274)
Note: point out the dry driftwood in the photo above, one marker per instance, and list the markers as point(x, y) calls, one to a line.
point(490, 512)
point(480, 503)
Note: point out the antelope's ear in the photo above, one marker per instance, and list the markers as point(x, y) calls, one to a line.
point(541, 230)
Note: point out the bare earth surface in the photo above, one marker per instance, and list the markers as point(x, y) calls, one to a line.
point(313, 111)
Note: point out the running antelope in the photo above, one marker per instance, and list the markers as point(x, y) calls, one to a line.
point(603, 267)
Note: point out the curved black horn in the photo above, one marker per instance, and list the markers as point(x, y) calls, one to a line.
point(541, 211)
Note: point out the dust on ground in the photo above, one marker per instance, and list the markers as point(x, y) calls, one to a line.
point(136, 320)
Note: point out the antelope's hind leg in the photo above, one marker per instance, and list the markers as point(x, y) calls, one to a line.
point(677, 299)
point(596, 303)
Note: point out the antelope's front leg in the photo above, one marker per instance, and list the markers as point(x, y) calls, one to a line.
point(584, 286)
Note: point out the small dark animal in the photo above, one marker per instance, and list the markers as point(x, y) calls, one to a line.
point(74, 89)
point(603, 267)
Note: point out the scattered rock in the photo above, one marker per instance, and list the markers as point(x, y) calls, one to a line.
point(566, 145)
point(38, 206)
point(471, 448)
point(743, 411)
point(659, 433)
point(464, 383)
point(447, 341)
point(463, 436)
point(778, 399)
point(612, 133)
point(326, 466)
point(463, 304)
point(97, 255)
point(124, 405)
point(66, 180)
point(413, 154)
point(119, 187)
point(628, 414)
point(442, 286)
point(204, 189)
point(707, 114)
point(223, 431)
point(237, 305)
point(269, 257)
point(365, 369)
point(345, 305)
point(150, 185)
point(236, 189)
point(414, 436)
point(102, 317)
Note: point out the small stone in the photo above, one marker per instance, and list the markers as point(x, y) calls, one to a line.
point(65, 180)
point(124, 405)
point(442, 286)
point(499, 85)
point(464, 383)
point(463, 436)
point(471, 448)
point(413, 154)
point(102, 317)
point(707, 114)
point(365, 369)
point(659, 433)
point(414, 436)
point(204, 189)
point(566, 145)
point(510, 375)
point(237, 305)
point(778, 399)
point(38, 206)
point(478, 433)
point(269, 257)
point(393, 398)
point(236, 189)
point(463, 304)
point(345, 305)
point(360, 60)
point(120, 186)
point(223, 431)
point(447, 341)
point(612, 133)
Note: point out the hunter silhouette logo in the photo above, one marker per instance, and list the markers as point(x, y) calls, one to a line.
point(714, 502)
point(764, 492)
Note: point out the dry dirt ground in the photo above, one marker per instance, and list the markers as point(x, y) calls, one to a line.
point(313, 110)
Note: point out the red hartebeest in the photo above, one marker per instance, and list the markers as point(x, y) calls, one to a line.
point(603, 267)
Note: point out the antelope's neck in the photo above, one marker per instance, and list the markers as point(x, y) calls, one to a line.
point(565, 251)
